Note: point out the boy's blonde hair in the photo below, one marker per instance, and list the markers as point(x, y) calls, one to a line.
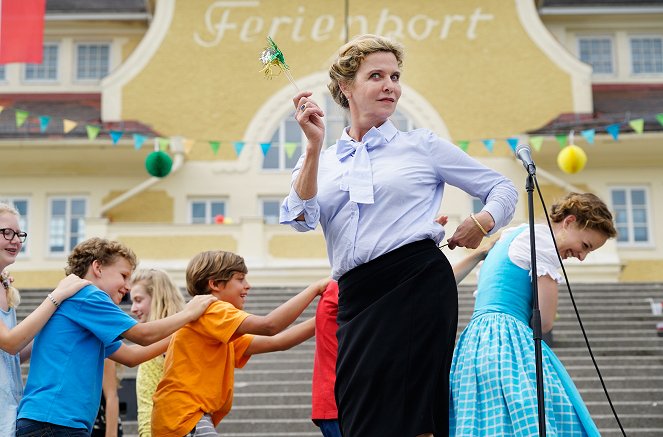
point(214, 264)
point(100, 249)
point(13, 298)
point(166, 297)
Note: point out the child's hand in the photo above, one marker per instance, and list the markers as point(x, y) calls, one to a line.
point(321, 285)
point(69, 286)
point(197, 306)
point(443, 219)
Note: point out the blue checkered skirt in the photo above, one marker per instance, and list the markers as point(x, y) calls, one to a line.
point(493, 384)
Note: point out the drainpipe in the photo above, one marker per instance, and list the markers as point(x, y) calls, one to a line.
point(177, 147)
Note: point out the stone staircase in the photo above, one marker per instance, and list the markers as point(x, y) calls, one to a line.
point(272, 393)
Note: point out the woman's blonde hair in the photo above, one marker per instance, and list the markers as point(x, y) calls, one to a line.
point(214, 264)
point(13, 298)
point(590, 212)
point(166, 297)
point(350, 57)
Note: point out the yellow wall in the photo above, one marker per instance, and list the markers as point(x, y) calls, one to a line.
point(642, 271)
point(298, 246)
point(484, 76)
point(37, 278)
point(154, 206)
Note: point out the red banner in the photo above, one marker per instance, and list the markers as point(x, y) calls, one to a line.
point(21, 30)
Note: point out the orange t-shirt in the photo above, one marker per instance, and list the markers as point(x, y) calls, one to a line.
point(199, 371)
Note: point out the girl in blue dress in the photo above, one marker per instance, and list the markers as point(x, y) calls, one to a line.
point(493, 376)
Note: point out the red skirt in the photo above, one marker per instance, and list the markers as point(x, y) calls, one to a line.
point(397, 320)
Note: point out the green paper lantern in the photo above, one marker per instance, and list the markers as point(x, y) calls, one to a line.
point(158, 164)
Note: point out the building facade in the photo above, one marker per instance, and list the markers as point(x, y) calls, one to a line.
point(184, 77)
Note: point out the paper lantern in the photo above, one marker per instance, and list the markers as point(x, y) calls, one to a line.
point(571, 159)
point(219, 219)
point(228, 221)
point(158, 164)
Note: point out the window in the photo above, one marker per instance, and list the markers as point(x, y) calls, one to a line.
point(286, 143)
point(206, 211)
point(270, 210)
point(647, 55)
point(66, 226)
point(631, 215)
point(92, 61)
point(2, 73)
point(23, 207)
point(48, 69)
point(597, 52)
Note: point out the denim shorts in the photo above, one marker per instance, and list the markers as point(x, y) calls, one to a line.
point(32, 428)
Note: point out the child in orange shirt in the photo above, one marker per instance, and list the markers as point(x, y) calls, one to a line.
point(196, 390)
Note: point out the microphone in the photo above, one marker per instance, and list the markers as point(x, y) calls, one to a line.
point(524, 154)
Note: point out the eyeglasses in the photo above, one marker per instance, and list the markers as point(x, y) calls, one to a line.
point(9, 234)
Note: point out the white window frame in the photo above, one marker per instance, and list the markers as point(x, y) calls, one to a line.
point(613, 52)
point(67, 223)
point(58, 57)
point(78, 44)
point(630, 49)
point(208, 208)
point(3, 75)
point(630, 241)
point(267, 219)
point(24, 220)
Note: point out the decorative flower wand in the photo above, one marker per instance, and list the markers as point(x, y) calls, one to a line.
point(273, 62)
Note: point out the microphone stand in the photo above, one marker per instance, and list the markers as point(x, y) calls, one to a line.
point(536, 314)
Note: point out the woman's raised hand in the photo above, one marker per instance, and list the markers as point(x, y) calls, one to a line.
point(309, 116)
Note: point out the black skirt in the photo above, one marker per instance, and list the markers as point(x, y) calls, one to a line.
point(397, 320)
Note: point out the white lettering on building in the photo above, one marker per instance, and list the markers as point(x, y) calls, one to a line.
point(221, 19)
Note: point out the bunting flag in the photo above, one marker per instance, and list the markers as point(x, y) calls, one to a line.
point(44, 120)
point(215, 146)
point(588, 135)
point(290, 149)
point(92, 131)
point(536, 142)
point(239, 146)
point(265, 148)
point(659, 117)
point(115, 136)
point(562, 139)
point(139, 140)
point(188, 145)
point(21, 116)
point(68, 125)
point(513, 143)
point(489, 144)
point(637, 125)
point(463, 144)
point(613, 130)
point(163, 143)
point(21, 31)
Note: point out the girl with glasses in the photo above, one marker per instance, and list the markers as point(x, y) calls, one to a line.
point(16, 339)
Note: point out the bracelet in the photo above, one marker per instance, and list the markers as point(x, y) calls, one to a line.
point(476, 222)
point(52, 299)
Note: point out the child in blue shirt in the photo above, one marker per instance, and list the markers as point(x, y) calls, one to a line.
point(64, 383)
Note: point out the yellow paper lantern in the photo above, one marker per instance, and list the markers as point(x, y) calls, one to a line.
point(571, 159)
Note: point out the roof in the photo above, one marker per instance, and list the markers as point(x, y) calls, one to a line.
point(81, 108)
point(92, 6)
point(613, 103)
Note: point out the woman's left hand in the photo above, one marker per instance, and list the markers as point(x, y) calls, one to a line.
point(468, 233)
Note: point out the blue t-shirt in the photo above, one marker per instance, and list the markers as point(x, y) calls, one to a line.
point(67, 364)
